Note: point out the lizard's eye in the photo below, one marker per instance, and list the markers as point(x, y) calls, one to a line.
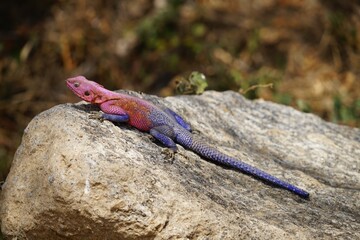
point(76, 84)
point(87, 93)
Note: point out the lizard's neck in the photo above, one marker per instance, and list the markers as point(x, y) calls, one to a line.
point(103, 95)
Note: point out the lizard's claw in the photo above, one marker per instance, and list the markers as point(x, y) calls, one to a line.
point(96, 115)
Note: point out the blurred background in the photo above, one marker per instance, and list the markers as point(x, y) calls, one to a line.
point(299, 53)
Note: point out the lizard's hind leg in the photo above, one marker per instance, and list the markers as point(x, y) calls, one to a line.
point(165, 135)
point(178, 119)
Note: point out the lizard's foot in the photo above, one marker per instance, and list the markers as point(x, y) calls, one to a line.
point(96, 115)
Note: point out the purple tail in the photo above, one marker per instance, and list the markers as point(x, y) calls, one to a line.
point(212, 154)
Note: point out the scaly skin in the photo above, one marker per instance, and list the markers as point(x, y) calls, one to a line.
point(164, 124)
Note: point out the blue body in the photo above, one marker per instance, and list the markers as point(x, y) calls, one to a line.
point(169, 128)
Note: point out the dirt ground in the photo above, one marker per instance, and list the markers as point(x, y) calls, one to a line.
point(299, 53)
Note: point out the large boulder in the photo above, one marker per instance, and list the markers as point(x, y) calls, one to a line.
point(74, 177)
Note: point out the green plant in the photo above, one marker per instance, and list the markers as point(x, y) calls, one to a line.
point(196, 83)
point(345, 113)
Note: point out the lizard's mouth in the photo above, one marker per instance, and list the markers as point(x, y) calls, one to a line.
point(68, 84)
point(72, 84)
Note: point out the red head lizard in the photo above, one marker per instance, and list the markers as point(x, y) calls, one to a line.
point(163, 124)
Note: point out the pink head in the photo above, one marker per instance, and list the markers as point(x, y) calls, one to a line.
point(85, 89)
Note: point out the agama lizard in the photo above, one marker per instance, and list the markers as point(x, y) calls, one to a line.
point(163, 124)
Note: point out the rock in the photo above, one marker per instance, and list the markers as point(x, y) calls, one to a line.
point(78, 178)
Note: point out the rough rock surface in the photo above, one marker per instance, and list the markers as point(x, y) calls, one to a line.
point(78, 178)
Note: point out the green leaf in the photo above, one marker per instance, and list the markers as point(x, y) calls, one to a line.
point(198, 82)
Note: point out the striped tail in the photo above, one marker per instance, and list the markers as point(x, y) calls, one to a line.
point(211, 153)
